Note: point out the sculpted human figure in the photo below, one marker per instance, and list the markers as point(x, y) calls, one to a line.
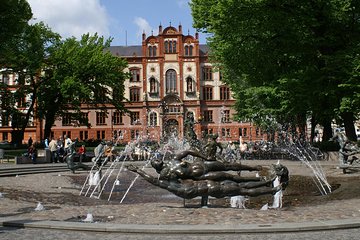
point(188, 188)
point(211, 148)
point(69, 158)
point(347, 148)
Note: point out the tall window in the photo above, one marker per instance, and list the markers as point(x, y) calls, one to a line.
point(245, 132)
point(207, 73)
point(189, 84)
point(84, 119)
point(100, 95)
point(208, 116)
point(134, 94)
point(225, 116)
point(153, 85)
point(152, 51)
point(84, 135)
point(224, 93)
point(135, 75)
point(100, 118)
point(225, 132)
point(5, 119)
point(67, 133)
point(171, 81)
point(117, 118)
point(208, 93)
point(153, 119)
point(188, 50)
point(135, 118)
point(66, 119)
point(21, 102)
point(100, 134)
point(134, 134)
point(170, 46)
point(5, 78)
point(5, 136)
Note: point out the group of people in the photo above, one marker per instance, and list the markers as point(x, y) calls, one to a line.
point(59, 148)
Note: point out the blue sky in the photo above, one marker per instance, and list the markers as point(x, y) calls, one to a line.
point(124, 20)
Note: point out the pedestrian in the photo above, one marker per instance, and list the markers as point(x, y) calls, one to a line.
point(67, 142)
point(60, 150)
point(30, 142)
point(46, 143)
point(53, 150)
point(82, 153)
point(32, 153)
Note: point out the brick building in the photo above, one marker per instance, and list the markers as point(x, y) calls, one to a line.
point(171, 78)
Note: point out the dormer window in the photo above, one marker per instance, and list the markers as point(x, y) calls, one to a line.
point(152, 51)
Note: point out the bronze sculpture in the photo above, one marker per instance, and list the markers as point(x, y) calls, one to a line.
point(347, 149)
point(203, 178)
point(69, 158)
point(189, 188)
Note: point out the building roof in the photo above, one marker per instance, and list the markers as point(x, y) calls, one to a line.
point(131, 51)
point(126, 51)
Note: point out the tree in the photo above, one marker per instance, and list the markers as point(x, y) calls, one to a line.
point(27, 60)
point(14, 17)
point(81, 73)
point(285, 59)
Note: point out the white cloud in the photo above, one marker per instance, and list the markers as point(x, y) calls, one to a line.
point(143, 26)
point(72, 17)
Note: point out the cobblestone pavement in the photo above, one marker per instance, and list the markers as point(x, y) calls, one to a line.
point(58, 189)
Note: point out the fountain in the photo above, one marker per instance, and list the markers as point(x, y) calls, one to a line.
point(189, 169)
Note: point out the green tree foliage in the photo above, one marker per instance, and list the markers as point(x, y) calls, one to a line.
point(14, 17)
point(81, 73)
point(286, 59)
point(27, 59)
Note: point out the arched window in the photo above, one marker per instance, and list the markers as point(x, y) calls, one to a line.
point(171, 81)
point(170, 46)
point(153, 119)
point(189, 85)
point(189, 50)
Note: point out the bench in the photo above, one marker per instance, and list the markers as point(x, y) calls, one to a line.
point(3, 156)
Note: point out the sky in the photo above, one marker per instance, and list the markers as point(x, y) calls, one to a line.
point(123, 20)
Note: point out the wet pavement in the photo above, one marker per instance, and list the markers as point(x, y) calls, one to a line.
point(147, 205)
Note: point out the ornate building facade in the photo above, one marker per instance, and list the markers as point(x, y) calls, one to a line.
point(171, 79)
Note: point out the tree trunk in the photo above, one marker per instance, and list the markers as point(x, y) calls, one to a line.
point(327, 134)
point(312, 131)
point(16, 137)
point(49, 121)
point(348, 118)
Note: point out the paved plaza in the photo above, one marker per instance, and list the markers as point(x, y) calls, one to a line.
point(155, 211)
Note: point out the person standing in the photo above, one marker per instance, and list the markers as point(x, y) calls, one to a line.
point(30, 142)
point(67, 142)
point(60, 150)
point(32, 152)
point(53, 150)
point(46, 143)
point(82, 153)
